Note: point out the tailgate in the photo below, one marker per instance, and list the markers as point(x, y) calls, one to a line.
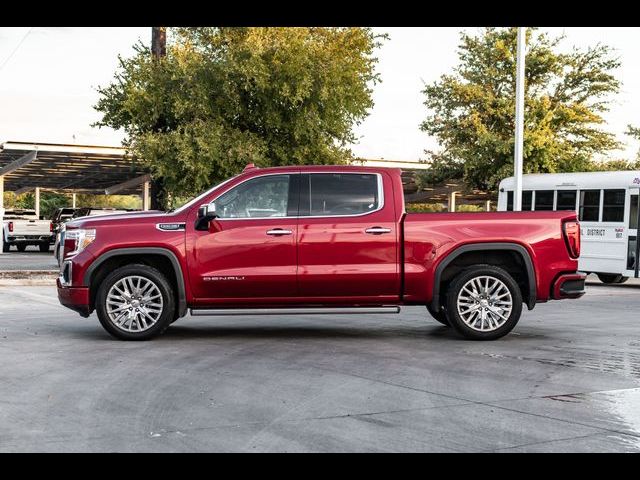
point(31, 227)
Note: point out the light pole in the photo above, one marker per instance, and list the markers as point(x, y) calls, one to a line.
point(519, 136)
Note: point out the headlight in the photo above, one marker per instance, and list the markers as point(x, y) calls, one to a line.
point(76, 241)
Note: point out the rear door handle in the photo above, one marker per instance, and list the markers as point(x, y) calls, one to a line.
point(279, 231)
point(377, 230)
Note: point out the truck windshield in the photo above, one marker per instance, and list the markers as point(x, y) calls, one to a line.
point(200, 197)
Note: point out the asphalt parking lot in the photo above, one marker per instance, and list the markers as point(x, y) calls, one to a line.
point(566, 379)
point(30, 259)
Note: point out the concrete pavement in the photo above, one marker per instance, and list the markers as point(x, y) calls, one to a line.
point(566, 379)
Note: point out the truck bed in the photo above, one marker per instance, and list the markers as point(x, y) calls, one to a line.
point(431, 237)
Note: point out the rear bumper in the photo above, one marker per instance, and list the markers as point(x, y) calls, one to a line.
point(35, 239)
point(569, 285)
point(75, 298)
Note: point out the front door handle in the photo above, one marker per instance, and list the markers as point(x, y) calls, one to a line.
point(377, 230)
point(279, 231)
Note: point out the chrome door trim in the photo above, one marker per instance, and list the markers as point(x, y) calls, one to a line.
point(380, 197)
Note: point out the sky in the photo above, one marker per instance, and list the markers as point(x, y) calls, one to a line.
point(48, 80)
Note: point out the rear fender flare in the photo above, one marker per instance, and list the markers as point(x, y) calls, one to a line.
point(522, 251)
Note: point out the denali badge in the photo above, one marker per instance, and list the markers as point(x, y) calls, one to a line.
point(169, 227)
point(215, 279)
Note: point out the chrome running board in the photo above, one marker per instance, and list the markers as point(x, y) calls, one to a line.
point(294, 311)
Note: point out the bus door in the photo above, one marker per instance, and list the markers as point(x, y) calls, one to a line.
point(633, 246)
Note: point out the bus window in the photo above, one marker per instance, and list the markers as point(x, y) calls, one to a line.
point(544, 200)
point(509, 201)
point(589, 205)
point(613, 207)
point(526, 200)
point(633, 213)
point(566, 200)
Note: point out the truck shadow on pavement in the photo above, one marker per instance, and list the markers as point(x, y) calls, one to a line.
point(303, 333)
point(618, 285)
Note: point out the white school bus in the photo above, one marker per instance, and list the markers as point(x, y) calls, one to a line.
point(607, 207)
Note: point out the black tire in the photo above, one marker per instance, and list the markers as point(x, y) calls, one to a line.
point(21, 247)
point(455, 288)
point(44, 247)
point(168, 299)
point(6, 247)
point(610, 278)
point(440, 316)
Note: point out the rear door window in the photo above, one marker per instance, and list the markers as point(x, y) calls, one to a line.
point(339, 194)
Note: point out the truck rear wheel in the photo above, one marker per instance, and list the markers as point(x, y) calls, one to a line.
point(484, 302)
point(44, 247)
point(21, 247)
point(6, 247)
point(135, 302)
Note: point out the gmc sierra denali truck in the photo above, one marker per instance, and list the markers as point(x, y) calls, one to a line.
point(316, 239)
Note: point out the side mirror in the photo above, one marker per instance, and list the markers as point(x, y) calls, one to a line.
point(206, 213)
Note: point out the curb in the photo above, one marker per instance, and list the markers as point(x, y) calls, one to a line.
point(10, 278)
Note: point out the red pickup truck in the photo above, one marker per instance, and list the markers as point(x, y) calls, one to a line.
point(316, 239)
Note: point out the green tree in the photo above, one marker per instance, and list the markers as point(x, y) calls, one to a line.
point(471, 111)
point(634, 132)
point(49, 201)
point(620, 164)
point(225, 97)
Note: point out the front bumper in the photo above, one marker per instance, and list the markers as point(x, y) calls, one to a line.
point(569, 285)
point(75, 298)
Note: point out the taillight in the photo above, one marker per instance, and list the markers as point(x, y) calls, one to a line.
point(50, 226)
point(572, 238)
point(11, 226)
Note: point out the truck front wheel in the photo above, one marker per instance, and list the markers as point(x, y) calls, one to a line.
point(484, 302)
point(135, 302)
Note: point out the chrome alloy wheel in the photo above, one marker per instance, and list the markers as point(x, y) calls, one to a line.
point(134, 304)
point(484, 303)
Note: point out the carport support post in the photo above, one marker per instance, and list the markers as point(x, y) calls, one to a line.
point(38, 202)
point(452, 201)
point(146, 195)
point(488, 206)
point(73, 200)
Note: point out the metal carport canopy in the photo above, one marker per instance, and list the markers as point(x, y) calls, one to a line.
point(68, 168)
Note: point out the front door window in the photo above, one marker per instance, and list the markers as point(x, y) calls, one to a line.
point(262, 197)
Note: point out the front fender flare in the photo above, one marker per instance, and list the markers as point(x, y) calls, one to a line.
point(116, 252)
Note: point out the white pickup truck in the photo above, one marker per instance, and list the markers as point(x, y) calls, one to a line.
point(22, 228)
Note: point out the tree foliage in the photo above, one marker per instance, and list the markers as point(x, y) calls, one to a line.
point(49, 201)
point(225, 97)
point(472, 110)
